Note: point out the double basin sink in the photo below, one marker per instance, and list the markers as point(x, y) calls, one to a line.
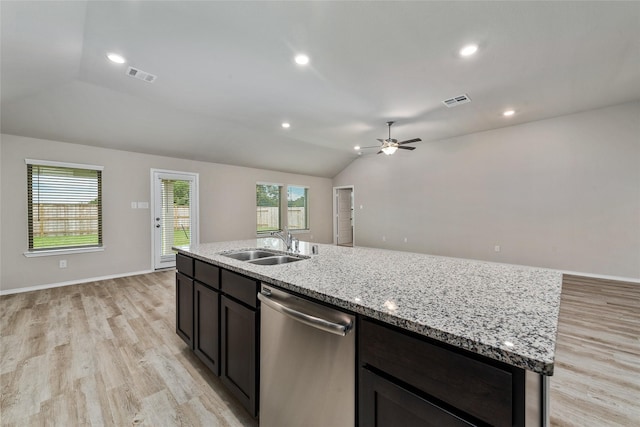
point(263, 257)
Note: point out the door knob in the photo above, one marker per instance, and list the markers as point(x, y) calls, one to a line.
point(157, 225)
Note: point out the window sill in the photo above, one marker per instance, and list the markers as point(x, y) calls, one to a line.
point(300, 231)
point(268, 233)
point(53, 252)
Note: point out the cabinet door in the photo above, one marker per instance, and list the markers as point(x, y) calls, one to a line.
point(239, 352)
point(385, 404)
point(184, 308)
point(206, 303)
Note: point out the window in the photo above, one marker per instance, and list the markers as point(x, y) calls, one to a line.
point(268, 202)
point(298, 208)
point(64, 205)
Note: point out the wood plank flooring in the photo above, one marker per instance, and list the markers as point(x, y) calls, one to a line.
point(597, 371)
point(106, 353)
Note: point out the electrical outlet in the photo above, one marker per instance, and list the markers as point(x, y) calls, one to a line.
point(496, 248)
point(405, 240)
point(63, 263)
point(134, 205)
point(384, 238)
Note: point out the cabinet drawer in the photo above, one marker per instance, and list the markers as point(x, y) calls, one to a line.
point(479, 389)
point(207, 274)
point(385, 404)
point(184, 264)
point(240, 287)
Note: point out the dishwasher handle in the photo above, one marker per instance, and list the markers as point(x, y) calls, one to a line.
point(307, 319)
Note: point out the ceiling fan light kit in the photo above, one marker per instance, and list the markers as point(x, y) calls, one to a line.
point(389, 149)
point(390, 145)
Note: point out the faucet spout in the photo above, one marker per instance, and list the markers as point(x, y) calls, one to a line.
point(285, 236)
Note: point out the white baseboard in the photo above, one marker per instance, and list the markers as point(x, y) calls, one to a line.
point(136, 273)
point(71, 282)
point(602, 276)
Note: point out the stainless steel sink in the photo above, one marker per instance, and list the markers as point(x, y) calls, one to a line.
point(275, 260)
point(250, 255)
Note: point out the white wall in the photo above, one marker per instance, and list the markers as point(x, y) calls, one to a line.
point(560, 193)
point(227, 209)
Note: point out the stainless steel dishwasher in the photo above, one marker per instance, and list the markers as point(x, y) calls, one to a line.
point(307, 363)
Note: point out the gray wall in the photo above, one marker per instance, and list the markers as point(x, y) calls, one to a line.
point(562, 193)
point(227, 209)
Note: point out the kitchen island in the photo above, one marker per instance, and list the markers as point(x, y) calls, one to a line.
point(495, 312)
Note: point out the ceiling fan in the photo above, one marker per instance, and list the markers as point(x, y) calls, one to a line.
point(390, 145)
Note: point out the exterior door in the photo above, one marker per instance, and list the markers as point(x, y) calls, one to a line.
point(345, 216)
point(175, 214)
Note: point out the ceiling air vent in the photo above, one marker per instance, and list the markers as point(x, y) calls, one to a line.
point(141, 75)
point(457, 100)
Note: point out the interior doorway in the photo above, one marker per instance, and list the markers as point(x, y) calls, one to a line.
point(343, 216)
point(174, 221)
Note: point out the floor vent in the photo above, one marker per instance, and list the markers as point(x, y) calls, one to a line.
point(457, 100)
point(141, 75)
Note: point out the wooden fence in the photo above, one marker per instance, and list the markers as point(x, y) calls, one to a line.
point(51, 219)
point(267, 218)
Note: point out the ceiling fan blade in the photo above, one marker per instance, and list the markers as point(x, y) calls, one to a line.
point(370, 146)
point(410, 141)
point(381, 140)
point(379, 152)
point(406, 148)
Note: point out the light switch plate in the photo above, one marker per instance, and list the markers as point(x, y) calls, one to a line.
point(143, 205)
point(134, 205)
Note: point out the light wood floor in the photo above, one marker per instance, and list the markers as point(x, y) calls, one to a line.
point(106, 353)
point(597, 370)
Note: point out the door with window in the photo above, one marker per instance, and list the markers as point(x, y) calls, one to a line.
point(174, 214)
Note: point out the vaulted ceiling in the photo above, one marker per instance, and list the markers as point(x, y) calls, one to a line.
point(226, 78)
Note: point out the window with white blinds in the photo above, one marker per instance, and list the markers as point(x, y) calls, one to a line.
point(64, 205)
point(176, 214)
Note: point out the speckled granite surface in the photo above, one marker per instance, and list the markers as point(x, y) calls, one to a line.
point(506, 312)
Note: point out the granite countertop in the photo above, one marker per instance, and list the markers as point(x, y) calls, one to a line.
point(502, 311)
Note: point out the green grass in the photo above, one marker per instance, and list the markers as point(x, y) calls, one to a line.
point(179, 239)
point(64, 241)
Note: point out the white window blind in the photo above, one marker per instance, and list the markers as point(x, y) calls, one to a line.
point(64, 205)
point(176, 214)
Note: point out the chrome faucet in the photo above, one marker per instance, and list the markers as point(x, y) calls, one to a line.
point(285, 235)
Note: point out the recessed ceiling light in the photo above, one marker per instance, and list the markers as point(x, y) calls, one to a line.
point(286, 125)
point(118, 59)
point(469, 50)
point(508, 113)
point(357, 147)
point(301, 59)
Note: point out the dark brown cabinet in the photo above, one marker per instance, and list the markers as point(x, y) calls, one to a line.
point(239, 352)
point(386, 404)
point(184, 308)
point(206, 303)
point(217, 316)
point(404, 376)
